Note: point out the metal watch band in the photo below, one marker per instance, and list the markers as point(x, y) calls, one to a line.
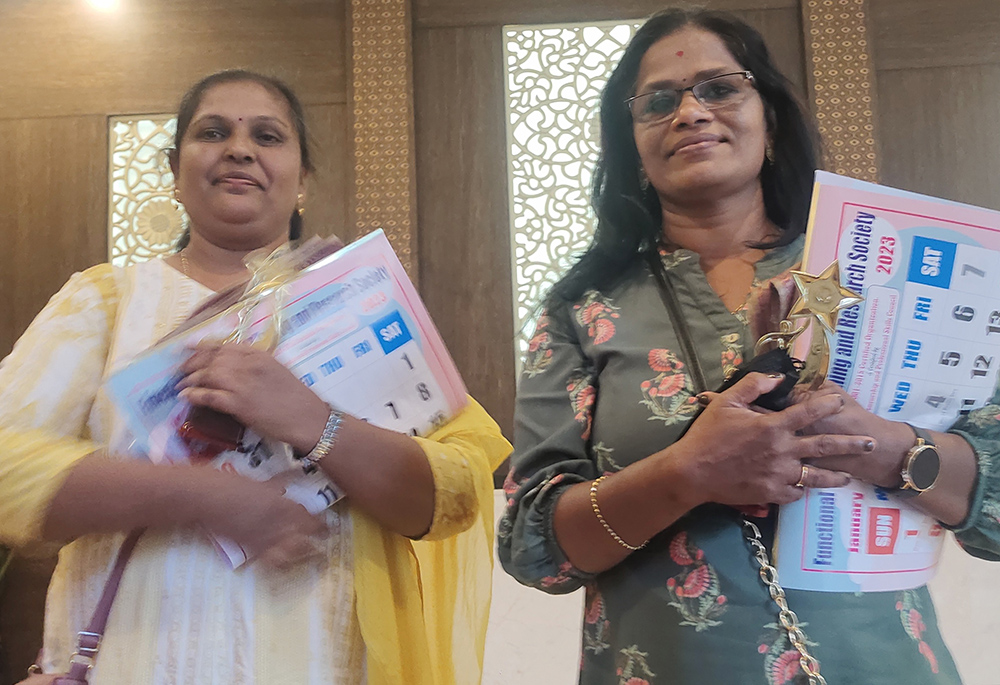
point(326, 441)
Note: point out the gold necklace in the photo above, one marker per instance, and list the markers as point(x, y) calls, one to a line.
point(184, 263)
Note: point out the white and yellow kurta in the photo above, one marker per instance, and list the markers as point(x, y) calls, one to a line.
point(382, 609)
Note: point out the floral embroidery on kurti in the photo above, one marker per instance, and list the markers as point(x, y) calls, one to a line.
point(539, 354)
point(582, 394)
point(605, 462)
point(633, 664)
point(668, 395)
point(695, 590)
point(781, 660)
point(908, 606)
point(595, 622)
point(596, 313)
point(732, 353)
point(563, 575)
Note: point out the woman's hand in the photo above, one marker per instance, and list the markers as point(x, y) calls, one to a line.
point(254, 387)
point(271, 529)
point(881, 466)
point(738, 455)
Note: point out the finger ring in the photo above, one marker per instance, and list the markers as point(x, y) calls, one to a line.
point(802, 477)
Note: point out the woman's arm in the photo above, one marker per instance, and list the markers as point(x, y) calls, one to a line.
point(950, 498)
point(386, 474)
point(550, 537)
point(731, 455)
point(102, 495)
point(56, 486)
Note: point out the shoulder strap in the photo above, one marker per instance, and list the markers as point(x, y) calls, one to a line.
point(88, 641)
point(673, 307)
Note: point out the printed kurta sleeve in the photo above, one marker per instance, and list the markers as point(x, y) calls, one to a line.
point(47, 387)
point(463, 455)
point(553, 418)
point(979, 534)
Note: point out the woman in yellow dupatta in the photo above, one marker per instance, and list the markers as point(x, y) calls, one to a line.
point(349, 596)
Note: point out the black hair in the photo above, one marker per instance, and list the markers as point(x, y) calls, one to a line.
point(629, 217)
point(192, 100)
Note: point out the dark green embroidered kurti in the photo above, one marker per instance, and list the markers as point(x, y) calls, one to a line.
point(604, 384)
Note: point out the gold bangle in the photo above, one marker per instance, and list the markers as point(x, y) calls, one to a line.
point(600, 517)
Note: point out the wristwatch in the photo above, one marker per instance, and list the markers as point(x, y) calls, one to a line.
point(920, 467)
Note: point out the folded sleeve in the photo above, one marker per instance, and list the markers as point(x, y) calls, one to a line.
point(552, 421)
point(979, 534)
point(462, 455)
point(47, 388)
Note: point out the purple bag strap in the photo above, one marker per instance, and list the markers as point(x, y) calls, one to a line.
point(88, 641)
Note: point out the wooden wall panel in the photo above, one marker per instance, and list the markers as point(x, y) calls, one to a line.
point(328, 195)
point(53, 180)
point(439, 13)
point(938, 80)
point(910, 34)
point(66, 58)
point(939, 132)
point(782, 30)
point(464, 238)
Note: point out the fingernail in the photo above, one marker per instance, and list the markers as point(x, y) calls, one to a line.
point(869, 445)
point(703, 399)
point(775, 375)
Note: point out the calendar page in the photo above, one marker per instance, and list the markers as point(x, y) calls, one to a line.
point(354, 330)
point(924, 348)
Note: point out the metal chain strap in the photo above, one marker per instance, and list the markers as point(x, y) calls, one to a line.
point(789, 621)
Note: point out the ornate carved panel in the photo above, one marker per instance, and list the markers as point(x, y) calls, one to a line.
point(382, 118)
point(555, 75)
point(144, 221)
point(842, 81)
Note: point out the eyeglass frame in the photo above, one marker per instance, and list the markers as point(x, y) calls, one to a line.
point(745, 73)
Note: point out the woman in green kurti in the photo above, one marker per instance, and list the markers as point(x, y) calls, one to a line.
point(705, 177)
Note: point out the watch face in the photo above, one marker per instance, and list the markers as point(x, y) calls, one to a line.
point(924, 468)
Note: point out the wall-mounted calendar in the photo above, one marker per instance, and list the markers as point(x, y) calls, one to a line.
point(924, 348)
point(353, 329)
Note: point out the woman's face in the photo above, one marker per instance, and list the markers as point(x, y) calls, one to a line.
point(239, 167)
point(700, 154)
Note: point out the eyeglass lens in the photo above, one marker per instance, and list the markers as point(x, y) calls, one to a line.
point(713, 93)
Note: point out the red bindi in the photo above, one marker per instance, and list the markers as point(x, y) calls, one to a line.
point(680, 53)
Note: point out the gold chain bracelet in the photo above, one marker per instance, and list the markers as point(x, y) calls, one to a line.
point(600, 517)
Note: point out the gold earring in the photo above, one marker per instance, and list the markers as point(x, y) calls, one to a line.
point(177, 195)
point(300, 205)
point(769, 152)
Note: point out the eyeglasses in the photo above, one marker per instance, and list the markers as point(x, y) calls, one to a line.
point(725, 90)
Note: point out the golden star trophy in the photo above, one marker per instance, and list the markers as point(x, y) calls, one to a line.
point(820, 300)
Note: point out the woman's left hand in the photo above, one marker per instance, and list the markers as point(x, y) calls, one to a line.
point(253, 386)
point(883, 464)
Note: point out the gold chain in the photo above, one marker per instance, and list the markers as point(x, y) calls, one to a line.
point(607, 526)
point(184, 264)
point(789, 621)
